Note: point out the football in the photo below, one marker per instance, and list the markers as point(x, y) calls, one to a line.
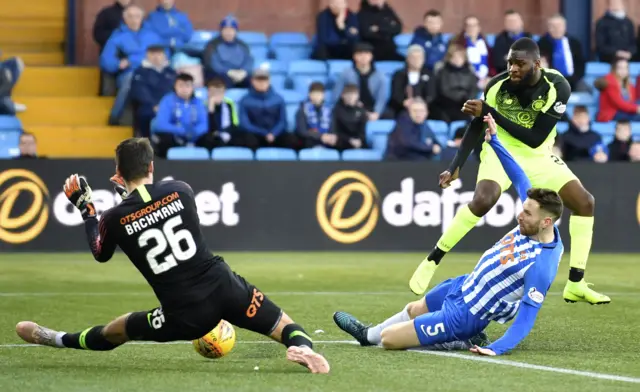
point(217, 343)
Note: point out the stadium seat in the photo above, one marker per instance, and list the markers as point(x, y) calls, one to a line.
point(604, 129)
point(379, 142)
point(318, 154)
point(337, 66)
point(275, 67)
point(188, 153)
point(635, 130)
point(10, 123)
point(199, 40)
point(307, 67)
point(379, 127)
point(289, 54)
point(562, 127)
point(275, 154)
point(535, 37)
point(585, 99)
point(301, 83)
point(597, 69)
point(236, 94)
point(291, 96)
point(253, 37)
point(438, 127)
point(403, 40)
point(279, 82)
point(362, 155)
point(447, 37)
point(286, 39)
point(292, 110)
point(9, 144)
point(634, 69)
point(491, 39)
point(389, 67)
point(606, 140)
point(259, 52)
point(455, 125)
point(232, 154)
point(202, 93)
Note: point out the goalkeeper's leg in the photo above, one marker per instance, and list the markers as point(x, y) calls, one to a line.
point(485, 197)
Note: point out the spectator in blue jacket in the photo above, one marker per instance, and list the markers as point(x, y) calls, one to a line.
point(336, 32)
point(151, 81)
point(173, 26)
point(263, 116)
point(181, 119)
point(431, 39)
point(412, 139)
point(228, 57)
point(124, 52)
point(373, 85)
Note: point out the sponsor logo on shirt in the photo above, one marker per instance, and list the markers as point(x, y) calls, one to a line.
point(535, 295)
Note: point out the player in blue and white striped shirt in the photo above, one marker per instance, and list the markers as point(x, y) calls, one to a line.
point(512, 278)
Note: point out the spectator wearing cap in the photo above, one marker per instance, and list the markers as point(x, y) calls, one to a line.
point(313, 119)
point(619, 147)
point(430, 38)
point(173, 26)
point(28, 146)
point(412, 139)
point(227, 56)
point(580, 143)
point(615, 34)
point(478, 50)
point(349, 120)
point(124, 52)
point(410, 82)
point(373, 85)
point(336, 32)
point(10, 71)
point(513, 31)
point(151, 81)
point(263, 115)
point(107, 21)
point(181, 119)
point(379, 24)
point(222, 113)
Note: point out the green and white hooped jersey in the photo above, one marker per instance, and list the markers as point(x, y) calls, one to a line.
point(549, 97)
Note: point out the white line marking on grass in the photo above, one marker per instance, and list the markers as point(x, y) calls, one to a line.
point(467, 357)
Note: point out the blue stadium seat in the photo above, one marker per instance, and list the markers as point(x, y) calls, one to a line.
point(361, 155)
point(389, 67)
point(606, 140)
point(403, 40)
point(275, 67)
point(634, 69)
point(447, 37)
point(328, 97)
point(491, 39)
point(597, 69)
point(292, 110)
point(455, 125)
point(288, 40)
point(562, 127)
point(438, 127)
point(635, 130)
point(202, 93)
point(279, 82)
point(379, 142)
point(10, 123)
point(289, 54)
point(291, 96)
point(253, 37)
point(307, 67)
point(275, 154)
point(535, 37)
point(585, 99)
point(379, 127)
point(318, 154)
point(604, 129)
point(9, 143)
point(232, 154)
point(337, 66)
point(236, 94)
point(259, 52)
point(199, 40)
point(301, 83)
point(188, 153)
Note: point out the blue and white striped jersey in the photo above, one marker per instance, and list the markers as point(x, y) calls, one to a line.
point(517, 268)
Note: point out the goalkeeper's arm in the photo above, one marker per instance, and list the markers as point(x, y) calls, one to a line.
point(470, 140)
point(101, 243)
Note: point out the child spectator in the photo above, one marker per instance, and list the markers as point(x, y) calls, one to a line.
point(173, 26)
point(373, 85)
point(379, 24)
point(124, 52)
point(152, 81)
point(349, 120)
point(228, 57)
point(619, 147)
point(580, 143)
point(313, 119)
point(223, 114)
point(107, 21)
point(263, 115)
point(412, 139)
point(181, 119)
point(617, 95)
point(478, 50)
point(414, 80)
point(430, 38)
point(336, 32)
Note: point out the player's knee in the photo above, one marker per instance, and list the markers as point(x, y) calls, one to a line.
point(482, 203)
point(389, 339)
point(416, 308)
point(587, 205)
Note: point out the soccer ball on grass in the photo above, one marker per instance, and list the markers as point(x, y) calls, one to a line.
point(217, 343)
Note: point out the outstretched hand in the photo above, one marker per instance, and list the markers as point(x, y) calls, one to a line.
point(482, 351)
point(492, 127)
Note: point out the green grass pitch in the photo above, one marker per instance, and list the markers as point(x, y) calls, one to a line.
point(71, 292)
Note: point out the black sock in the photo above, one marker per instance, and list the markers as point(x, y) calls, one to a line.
point(294, 335)
point(89, 339)
point(436, 255)
point(576, 274)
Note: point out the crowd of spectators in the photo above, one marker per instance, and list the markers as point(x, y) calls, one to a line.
point(159, 80)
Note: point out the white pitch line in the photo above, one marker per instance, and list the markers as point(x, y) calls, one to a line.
point(467, 357)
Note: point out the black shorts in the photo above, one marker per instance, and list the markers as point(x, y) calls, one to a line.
point(235, 300)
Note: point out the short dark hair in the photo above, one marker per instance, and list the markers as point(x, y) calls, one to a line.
point(184, 77)
point(316, 86)
point(623, 122)
point(548, 200)
point(432, 12)
point(133, 157)
point(528, 45)
point(216, 82)
point(511, 11)
point(350, 88)
point(580, 109)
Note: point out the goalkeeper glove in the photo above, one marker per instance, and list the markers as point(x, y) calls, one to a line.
point(78, 192)
point(118, 185)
